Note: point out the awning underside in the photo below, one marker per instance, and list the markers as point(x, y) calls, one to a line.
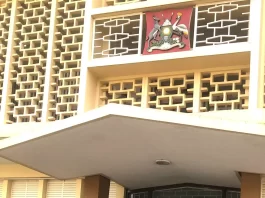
point(124, 148)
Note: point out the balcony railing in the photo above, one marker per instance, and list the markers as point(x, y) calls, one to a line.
point(214, 24)
point(209, 91)
point(222, 23)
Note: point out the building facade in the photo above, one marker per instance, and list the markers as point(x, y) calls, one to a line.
point(132, 98)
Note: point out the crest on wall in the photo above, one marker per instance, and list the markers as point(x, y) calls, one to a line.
point(167, 31)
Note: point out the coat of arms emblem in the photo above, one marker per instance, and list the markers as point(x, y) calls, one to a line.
point(167, 31)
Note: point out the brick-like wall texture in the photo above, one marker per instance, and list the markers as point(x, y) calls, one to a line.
point(188, 193)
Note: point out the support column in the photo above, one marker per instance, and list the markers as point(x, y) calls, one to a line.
point(7, 189)
point(88, 82)
point(250, 185)
point(42, 188)
point(96, 187)
point(79, 188)
point(119, 191)
point(257, 41)
point(49, 63)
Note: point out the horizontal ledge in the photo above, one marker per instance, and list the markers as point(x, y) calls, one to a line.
point(225, 120)
point(199, 51)
point(203, 57)
point(149, 5)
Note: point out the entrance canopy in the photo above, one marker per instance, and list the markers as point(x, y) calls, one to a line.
point(123, 143)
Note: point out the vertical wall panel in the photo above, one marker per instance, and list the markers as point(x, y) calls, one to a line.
point(28, 67)
point(67, 59)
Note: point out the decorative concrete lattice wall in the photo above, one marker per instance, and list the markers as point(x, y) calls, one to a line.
point(222, 23)
point(128, 92)
point(29, 55)
point(174, 93)
point(117, 36)
point(187, 93)
point(232, 194)
point(67, 59)
point(226, 90)
point(5, 12)
point(188, 193)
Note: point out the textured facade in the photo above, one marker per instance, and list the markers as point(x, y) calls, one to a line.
point(63, 63)
point(65, 72)
point(29, 61)
point(43, 81)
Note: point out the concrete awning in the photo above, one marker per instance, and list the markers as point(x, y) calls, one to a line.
point(122, 143)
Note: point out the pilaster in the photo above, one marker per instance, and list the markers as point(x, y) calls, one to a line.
point(7, 188)
point(96, 187)
point(250, 185)
point(86, 77)
point(257, 41)
point(49, 63)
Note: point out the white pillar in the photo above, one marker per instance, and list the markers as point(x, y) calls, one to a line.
point(256, 38)
point(42, 188)
point(49, 63)
point(86, 76)
point(6, 189)
point(79, 188)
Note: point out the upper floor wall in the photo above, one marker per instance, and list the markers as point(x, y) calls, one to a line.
point(189, 28)
point(48, 46)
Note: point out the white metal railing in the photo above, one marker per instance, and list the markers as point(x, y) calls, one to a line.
point(117, 36)
point(222, 23)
